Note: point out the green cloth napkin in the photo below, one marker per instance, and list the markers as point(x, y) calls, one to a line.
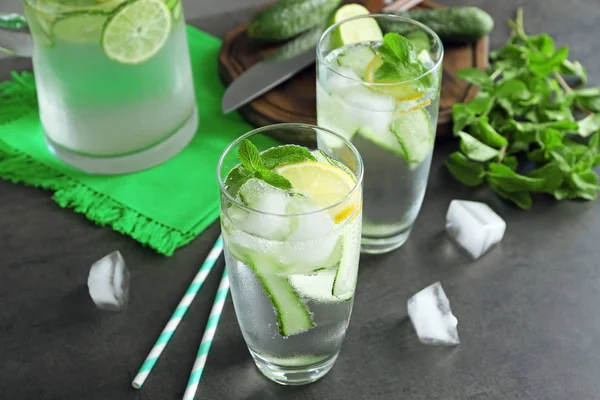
point(164, 207)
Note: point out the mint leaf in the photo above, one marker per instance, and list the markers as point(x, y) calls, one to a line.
point(551, 175)
point(462, 116)
point(563, 114)
point(542, 65)
point(249, 156)
point(475, 76)
point(589, 125)
point(474, 149)
point(588, 98)
point(543, 42)
point(512, 89)
point(564, 159)
point(274, 179)
point(467, 172)
point(511, 162)
point(510, 181)
point(235, 179)
point(550, 138)
point(588, 159)
point(489, 136)
point(399, 59)
point(480, 104)
point(287, 154)
point(521, 199)
point(574, 68)
point(585, 185)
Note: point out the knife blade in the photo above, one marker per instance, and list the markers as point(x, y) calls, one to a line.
point(267, 74)
point(262, 77)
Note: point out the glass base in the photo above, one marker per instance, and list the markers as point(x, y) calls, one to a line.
point(378, 245)
point(144, 159)
point(294, 375)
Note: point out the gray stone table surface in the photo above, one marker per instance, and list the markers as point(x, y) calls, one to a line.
point(527, 311)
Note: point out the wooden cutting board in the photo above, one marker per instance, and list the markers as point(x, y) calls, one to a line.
point(295, 99)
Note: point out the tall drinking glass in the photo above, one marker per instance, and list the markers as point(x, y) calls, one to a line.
point(292, 254)
point(113, 79)
point(391, 122)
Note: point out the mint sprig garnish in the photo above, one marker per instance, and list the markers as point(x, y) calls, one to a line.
point(254, 164)
point(525, 108)
point(400, 60)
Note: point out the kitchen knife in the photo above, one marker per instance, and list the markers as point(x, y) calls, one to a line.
point(262, 77)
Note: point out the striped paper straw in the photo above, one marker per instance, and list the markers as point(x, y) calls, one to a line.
point(178, 314)
point(207, 338)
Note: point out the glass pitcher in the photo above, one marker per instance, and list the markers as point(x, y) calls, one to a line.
point(113, 79)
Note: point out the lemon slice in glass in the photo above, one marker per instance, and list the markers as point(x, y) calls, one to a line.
point(325, 185)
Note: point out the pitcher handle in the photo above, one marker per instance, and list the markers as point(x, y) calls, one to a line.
point(13, 39)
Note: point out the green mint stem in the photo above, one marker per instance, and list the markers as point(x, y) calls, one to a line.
point(496, 74)
point(501, 154)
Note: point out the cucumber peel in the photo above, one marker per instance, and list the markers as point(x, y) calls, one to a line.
point(344, 283)
point(415, 135)
point(291, 313)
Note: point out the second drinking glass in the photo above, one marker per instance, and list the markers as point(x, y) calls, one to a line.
point(383, 95)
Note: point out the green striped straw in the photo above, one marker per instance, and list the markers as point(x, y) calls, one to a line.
point(207, 338)
point(178, 314)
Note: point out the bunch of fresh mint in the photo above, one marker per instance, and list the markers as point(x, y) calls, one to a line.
point(520, 133)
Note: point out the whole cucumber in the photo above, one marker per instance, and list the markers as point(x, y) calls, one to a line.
point(288, 18)
point(454, 25)
point(303, 42)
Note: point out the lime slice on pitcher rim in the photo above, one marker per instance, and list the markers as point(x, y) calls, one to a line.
point(137, 31)
point(79, 27)
point(356, 31)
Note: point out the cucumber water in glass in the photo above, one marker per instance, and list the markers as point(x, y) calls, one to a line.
point(114, 81)
point(381, 92)
point(291, 222)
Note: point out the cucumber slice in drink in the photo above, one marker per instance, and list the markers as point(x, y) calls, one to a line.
point(137, 31)
point(357, 59)
point(80, 27)
point(292, 315)
point(315, 286)
point(383, 138)
point(346, 275)
point(415, 134)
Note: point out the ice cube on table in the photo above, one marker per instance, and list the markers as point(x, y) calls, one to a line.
point(474, 226)
point(108, 282)
point(430, 313)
